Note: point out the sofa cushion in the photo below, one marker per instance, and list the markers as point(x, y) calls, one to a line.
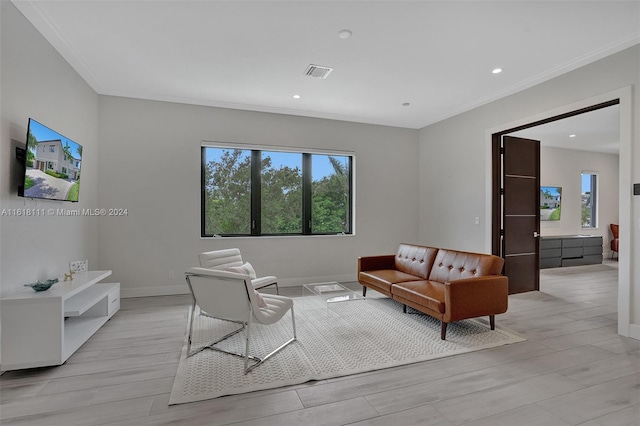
point(415, 260)
point(384, 278)
point(424, 293)
point(453, 265)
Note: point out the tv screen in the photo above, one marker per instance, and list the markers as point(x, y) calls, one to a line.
point(52, 164)
point(550, 197)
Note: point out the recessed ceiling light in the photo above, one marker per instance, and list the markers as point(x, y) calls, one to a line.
point(296, 96)
point(572, 136)
point(344, 34)
point(497, 70)
point(406, 104)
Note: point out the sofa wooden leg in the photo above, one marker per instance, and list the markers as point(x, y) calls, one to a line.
point(364, 291)
point(443, 330)
point(492, 321)
point(404, 309)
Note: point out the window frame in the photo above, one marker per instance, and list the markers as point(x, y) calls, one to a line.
point(256, 194)
point(594, 182)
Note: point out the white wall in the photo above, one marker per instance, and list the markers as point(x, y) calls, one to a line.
point(455, 162)
point(36, 82)
point(563, 167)
point(150, 164)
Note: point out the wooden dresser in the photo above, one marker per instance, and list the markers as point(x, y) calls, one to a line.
point(570, 250)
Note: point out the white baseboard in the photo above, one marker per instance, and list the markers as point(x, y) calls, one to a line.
point(183, 289)
point(153, 291)
point(634, 331)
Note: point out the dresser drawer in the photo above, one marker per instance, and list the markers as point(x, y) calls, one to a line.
point(592, 259)
point(572, 242)
point(592, 241)
point(551, 263)
point(588, 250)
point(571, 252)
point(550, 253)
point(549, 243)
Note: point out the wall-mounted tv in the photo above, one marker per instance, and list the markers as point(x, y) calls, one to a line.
point(52, 164)
point(550, 197)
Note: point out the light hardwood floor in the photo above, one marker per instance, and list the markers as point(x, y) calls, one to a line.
point(573, 370)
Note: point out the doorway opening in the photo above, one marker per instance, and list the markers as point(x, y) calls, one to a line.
point(522, 268)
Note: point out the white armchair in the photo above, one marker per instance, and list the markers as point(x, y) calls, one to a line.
point(221, 259)
point(232, 297)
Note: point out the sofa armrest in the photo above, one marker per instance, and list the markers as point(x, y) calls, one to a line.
point(475, 297)
point(372, 263)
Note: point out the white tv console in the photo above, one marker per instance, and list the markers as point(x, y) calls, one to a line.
point(45, 328)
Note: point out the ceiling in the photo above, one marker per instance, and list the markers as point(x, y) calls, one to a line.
point(435, 56)
point(595, 131)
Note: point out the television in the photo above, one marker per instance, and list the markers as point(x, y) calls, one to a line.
point(550, 198)
point(52, 165)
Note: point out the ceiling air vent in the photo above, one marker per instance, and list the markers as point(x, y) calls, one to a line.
point(318, 71)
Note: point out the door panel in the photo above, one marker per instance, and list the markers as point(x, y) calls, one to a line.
point(521, 213)
point(521, 266)
point(517, 196)
point(520, 155)
point(519, 230)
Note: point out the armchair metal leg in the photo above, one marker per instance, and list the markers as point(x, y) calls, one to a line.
point(246, 349)
point(293, 323)
point(248, 368)
point(192, 310)
point(243, 326)
point(211, 345)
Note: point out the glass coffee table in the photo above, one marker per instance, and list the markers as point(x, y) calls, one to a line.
point(331, 292)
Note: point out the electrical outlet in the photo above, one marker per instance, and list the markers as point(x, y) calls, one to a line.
point(477, 220)
point(172, 274)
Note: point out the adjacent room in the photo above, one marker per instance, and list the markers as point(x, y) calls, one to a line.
point(323, 213)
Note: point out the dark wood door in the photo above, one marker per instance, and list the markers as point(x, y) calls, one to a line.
point(521, 213)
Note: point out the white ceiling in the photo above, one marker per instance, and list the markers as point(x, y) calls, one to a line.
point(437, 56)
point(596, 131)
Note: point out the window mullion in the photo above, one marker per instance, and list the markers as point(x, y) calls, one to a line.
point(594, 201)
point(203, 191)
point(256, 192)
point(306, 194)
point(349, 217)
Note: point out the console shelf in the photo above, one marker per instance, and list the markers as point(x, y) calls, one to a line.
point(45, 328)
point(82, 302)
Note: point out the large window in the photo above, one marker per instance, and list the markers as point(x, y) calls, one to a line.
point(268, 192)
point(589, 204)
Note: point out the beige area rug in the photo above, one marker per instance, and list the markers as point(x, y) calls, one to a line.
point(346, 338)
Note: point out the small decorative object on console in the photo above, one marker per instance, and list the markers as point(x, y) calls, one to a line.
point(69, 276)
point(38, 286)
point(79, 266)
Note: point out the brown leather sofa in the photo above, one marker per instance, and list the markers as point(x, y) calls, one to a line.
point(448, 285)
